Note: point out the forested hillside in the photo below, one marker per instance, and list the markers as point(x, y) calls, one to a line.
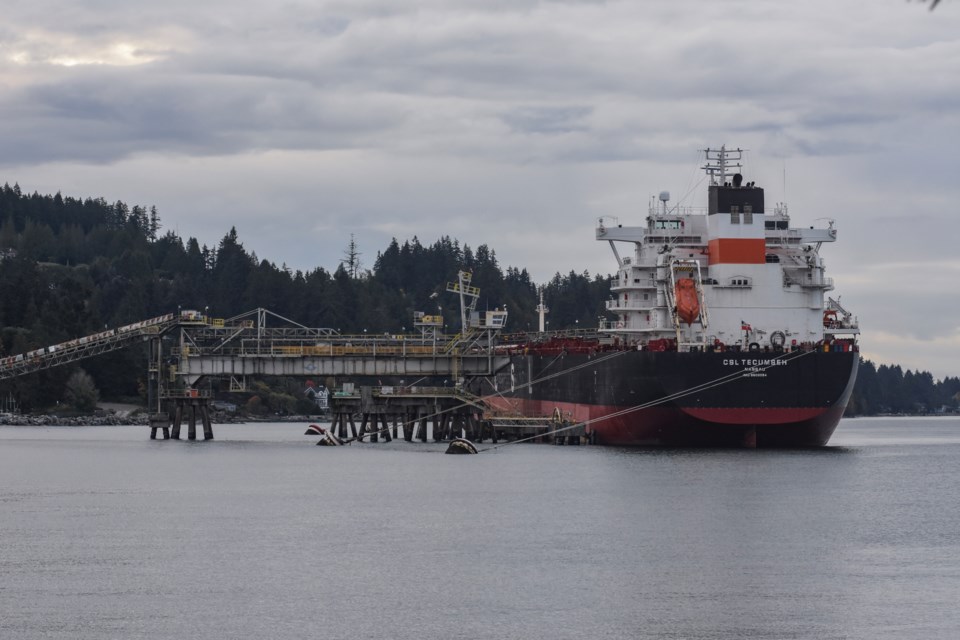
point(69, 267)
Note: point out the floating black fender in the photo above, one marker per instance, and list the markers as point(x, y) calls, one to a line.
point(329, 440)
point(461, 446)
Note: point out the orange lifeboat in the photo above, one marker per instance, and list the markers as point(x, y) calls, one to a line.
point(688, 306)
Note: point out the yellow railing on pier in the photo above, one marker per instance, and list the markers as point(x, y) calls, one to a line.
point(350, 350)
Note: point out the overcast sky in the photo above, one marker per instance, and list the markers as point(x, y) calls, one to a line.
point(515, 124)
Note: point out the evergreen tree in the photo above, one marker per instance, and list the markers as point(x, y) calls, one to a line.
point(153, 225)
point(230, 275)
point(351, 258)
point(81, 392)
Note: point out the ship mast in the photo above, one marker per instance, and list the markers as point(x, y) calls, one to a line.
point(719, 161)
point(542, 311)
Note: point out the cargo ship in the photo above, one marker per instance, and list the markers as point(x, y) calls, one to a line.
point(722, 333)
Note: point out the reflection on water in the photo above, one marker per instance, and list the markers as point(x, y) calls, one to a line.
point(106, 534)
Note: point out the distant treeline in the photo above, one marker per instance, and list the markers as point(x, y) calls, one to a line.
point(69, 267)
point(888, 389)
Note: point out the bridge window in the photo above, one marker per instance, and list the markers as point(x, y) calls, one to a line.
point(667, 224)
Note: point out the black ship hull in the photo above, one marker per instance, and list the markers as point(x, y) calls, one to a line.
point(649, 398)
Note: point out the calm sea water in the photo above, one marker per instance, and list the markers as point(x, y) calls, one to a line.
point(260, 534)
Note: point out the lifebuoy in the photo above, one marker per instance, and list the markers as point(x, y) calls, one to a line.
point(619, 324)
point(754, 346)
point(778, 339)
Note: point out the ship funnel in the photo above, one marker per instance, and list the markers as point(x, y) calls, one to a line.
point(737, 179)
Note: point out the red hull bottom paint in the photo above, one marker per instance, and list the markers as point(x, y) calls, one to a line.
point(690, 427)
point(688, 399)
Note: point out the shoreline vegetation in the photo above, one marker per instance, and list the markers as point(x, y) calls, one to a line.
point(71, 267)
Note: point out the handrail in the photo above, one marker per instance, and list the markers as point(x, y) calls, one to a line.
point(240, 337)
point(84, 347)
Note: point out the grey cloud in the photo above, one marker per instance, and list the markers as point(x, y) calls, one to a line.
point(106, 115)
point(482, 60)
point(547, 120)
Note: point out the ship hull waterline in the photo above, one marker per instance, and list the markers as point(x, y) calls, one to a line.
point(735, 399)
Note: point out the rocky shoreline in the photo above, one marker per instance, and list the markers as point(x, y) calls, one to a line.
point(18, 420)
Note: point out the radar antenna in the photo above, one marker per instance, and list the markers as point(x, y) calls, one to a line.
point(721, 161)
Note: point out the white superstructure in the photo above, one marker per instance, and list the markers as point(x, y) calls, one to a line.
point(733, 274)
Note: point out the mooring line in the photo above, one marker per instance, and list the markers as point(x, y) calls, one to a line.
point(599, 360)
point(711, 384)
point(730, 377)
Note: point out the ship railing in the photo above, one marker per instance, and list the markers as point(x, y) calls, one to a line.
point(806, 279)
point(817, 282)
point(635, 283)
point(796, 236)
point(782, 237)
point(841, 326)
point(617, 305)
point(676, 239)
point(623, 325)
point(610, 325)
point(656, 211)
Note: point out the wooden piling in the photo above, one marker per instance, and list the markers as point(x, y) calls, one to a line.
point(423, 426)
point(192, 429)
point(160, 421)
point(445, 425)
point(437, 419)
point(339, 426)
point(207, 424)
point(177, 420)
